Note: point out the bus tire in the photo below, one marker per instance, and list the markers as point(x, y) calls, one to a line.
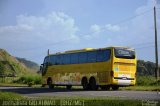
point(49, 83)
point(92, 84)
point(69, 87)
point(84, 83)
point(115, 87)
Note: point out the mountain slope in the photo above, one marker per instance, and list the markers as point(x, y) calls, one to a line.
point(30, 64)
point(9, 65)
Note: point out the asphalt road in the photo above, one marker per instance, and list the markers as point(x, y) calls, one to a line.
point(36, 92)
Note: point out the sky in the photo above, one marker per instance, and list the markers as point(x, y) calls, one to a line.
point(28, 28)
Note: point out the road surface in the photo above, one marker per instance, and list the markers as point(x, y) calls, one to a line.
point(36, 92)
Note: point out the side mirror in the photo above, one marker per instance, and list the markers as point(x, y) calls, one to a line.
point(40, 68)
point(42, 64)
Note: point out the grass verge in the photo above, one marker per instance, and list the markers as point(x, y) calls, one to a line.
point(8, 98)
point(141, 88)
point(135, 88)
point(12, 85)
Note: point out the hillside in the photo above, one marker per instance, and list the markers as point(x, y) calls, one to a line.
point(30, 64)
point(145, 68)
point(10, 66)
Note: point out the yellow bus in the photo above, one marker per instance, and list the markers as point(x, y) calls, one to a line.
point(110, 67)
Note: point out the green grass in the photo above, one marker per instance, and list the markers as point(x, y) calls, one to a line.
point(13, 85)
point(144, 83)
point(147, 81)
point(141, 88)
point(26, 79)
point(112, 103)
point(23, 80)
point(8, 96)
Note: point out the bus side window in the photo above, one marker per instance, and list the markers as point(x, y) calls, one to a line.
point(61, 59)
point(58, 60)
point(74, 58)
point(103, 55)
point(52, 60)
point(82, 57)
point(66, 59)
point(91, 56)
point(107, 55)
point(99, 55)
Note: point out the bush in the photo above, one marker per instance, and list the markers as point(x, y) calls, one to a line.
point(147, 80)
point(27, 79)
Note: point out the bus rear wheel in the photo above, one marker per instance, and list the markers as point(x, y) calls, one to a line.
point(85, 83)
point(92, 84)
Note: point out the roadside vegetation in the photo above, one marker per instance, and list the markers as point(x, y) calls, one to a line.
point(26, 79)
point(10, 96)
point(147, 81)
point(58, 101)
point(23, 80)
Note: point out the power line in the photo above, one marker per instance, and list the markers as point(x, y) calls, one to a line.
point(125, 20)
point(120, 22)
point(132, 17)
point(145, 43)
point(146, 46)
point(50, 44)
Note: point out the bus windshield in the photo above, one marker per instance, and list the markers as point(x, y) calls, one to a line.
point(124, 53)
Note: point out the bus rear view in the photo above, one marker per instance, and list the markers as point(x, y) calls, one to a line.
point(124, 67)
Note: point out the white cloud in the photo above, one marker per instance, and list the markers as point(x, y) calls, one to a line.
point(52, 28)
point(31, 35)
point(113, 28)
point(108, 27)
point(136, 32)
point(96, 28)
point(140, 32)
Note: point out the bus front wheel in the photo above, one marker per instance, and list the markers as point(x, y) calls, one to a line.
point(49, 82)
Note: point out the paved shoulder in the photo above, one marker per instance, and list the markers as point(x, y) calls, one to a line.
point(34, 92)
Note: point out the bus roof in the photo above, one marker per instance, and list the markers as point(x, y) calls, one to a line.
point(89, 49)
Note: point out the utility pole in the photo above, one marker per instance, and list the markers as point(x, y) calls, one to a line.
point(156, 45)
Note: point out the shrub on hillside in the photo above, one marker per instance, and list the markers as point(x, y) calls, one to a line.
point(147, 80)
point(27, 79)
